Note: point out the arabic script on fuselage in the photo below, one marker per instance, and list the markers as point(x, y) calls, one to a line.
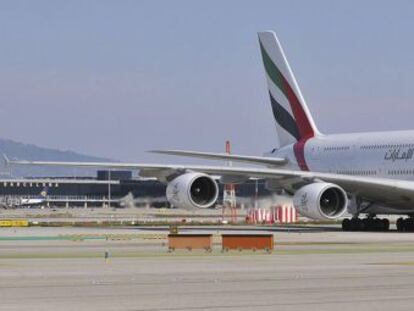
point(397, 154)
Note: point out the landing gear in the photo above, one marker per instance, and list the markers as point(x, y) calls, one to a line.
point(366, 224)
point(346, 224)
point(405, 224)
point(370, 223)
point(400, 224)
point(385, 224)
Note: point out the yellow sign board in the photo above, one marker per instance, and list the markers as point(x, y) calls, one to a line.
point(14, 223)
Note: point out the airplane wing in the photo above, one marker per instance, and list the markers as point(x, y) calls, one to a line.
point(398, 193)
point(225, 156)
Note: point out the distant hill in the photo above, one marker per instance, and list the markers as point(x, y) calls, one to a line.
point(20, 151)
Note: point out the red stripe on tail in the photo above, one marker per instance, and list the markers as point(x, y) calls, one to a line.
point(302, 121)
point(299, 150)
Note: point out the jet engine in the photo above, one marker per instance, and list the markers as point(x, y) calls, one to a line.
point(323, 201)
point(192, 190)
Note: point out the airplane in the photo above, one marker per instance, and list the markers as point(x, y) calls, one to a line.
point(34, 201)
point(326, 175)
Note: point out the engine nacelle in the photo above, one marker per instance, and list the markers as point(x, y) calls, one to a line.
point(321, 201)
point(192, 190)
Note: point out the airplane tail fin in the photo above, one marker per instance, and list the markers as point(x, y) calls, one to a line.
point(293, 120)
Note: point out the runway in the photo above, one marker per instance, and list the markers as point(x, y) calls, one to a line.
point(47, 269)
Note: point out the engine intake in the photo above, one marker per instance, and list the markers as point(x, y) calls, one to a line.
point(192, 190)
point(321, 201)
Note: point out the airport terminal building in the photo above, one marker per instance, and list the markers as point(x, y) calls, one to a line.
point(114, 188)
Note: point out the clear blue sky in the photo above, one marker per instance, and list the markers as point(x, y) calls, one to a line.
point(116, 78)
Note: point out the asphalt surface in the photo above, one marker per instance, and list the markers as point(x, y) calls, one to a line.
point(66, 269)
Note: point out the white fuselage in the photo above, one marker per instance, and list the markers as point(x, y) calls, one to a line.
point(377, 154)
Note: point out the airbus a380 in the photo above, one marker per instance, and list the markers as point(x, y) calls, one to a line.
point(326, 175)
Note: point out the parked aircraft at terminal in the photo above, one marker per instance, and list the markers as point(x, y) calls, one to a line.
point(327, 175)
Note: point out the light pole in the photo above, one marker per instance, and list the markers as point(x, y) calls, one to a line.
point(109, 188)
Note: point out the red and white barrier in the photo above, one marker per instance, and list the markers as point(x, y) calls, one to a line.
point(286, 214)
point(281, 214)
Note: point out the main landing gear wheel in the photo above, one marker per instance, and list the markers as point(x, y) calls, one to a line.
point(366, 224)
point(405, 225)
point(346, 225)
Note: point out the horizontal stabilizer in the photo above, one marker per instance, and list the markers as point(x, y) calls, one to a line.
point(225, 156)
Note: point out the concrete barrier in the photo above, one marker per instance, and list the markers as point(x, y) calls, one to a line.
point(190, 241)
point(248, 241)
